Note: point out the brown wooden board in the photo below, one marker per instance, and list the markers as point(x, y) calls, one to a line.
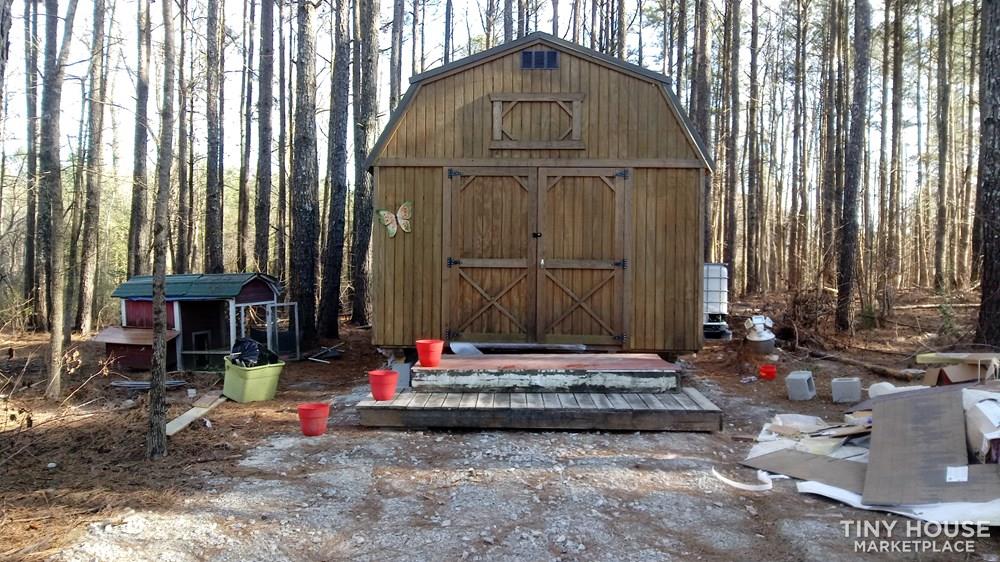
point(537, 411)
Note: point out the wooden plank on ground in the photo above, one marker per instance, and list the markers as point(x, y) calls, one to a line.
point(484, 400)
point(651, 402)
point(551, 401)
point(518, 400)
point(452, 400)
point(402, 399)
point(185, 419)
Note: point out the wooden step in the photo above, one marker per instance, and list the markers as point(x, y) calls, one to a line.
point(687, 410)
point(591, 372)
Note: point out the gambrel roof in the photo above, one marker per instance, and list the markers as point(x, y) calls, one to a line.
point(536, 38)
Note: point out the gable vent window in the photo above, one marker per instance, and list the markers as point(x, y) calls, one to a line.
point(539, 60)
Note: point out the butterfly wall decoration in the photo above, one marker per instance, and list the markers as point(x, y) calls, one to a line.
point(401, 219)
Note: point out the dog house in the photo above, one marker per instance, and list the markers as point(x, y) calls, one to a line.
point(206, 313)
point(539, 193)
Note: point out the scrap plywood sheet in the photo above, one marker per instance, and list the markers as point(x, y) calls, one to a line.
point(840, 473)
point(913, 443)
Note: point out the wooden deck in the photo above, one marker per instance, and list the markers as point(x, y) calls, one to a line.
point(687, 410)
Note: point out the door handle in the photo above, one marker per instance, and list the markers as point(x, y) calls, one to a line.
point(541, 262)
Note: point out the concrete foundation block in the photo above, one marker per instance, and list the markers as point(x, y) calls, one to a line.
point(846, 389)
point(800, 385)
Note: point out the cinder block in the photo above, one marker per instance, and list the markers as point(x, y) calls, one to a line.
point(846, 389)
point(800, 385)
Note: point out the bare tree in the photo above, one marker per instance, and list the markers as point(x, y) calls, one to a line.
point(156, 436)
point(365, 129)
point(853, 160)
point(396, 51)
point(508, 20)
point(333, 258)
point(50, 171)
point(700, 102)
point(449, 29)
point(6, 19)
point(729, 247)
point(182, 247)
point(213, 189)
point(94, 171)
point(305, 177)
point(941, 274)
point(34, 280)
point(246, 98)
point(138, 225)
point(988, 331)
point(754, 195)
point(262, 204)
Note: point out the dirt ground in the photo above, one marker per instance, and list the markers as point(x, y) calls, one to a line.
point(247, 486)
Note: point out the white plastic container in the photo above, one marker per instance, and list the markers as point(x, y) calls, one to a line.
point(716, 296)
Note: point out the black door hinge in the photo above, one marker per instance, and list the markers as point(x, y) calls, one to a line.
point(452, 262)
point(622, 174)
point(536, 234)
point(453, 173)
point(450, 334)
point(622, 338)
point(622, 264)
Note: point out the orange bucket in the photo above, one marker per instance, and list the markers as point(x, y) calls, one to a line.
point(312, 418)
point(768, 371)
point(383, 383)
point(429, 352)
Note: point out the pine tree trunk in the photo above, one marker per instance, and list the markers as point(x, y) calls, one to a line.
point(156, 437)
point(988, 330)
point(830, 165)
point(965, 243)
point(366, 127)
point(305, 178)
point(853, 160)
point(213, 188)
point(50, 172)
point(6, 19)
point(752, 242)
point(895, 171)
point(34, 282)
point(333, 259)
point(396, 50)
point(798, 203)
point(243, 218)
point(508, 20)
point(700, 101)
point(449, 26)
point(941, 274)
point(555, 18)
point(262, 204)
point(729, 245)
point(94, 172)
point(182, 249)
point(280, 239)
point(138, 263)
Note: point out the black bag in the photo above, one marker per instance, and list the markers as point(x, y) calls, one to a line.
point(251, 353)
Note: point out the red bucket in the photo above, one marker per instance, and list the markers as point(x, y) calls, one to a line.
point(312, 418)
point(768, 371)
point(383, 383)
point(429, 352)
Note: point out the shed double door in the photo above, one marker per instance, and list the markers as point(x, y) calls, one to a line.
point(535, 255)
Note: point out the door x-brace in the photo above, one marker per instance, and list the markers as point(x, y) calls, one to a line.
point(580, 302)
point(492, 301)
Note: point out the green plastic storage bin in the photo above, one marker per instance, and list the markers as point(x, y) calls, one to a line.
point(251, 384)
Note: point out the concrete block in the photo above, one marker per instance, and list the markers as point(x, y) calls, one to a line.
point(403, 368)
point(846, 389)
point(800, 385)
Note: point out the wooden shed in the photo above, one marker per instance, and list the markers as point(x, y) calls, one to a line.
point(557, 198)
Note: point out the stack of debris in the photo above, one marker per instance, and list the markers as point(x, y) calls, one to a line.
point(929, 453)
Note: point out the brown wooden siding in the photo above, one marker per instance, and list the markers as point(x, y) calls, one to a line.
point(667, 265)
point(623, 116)
point(406, 270)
